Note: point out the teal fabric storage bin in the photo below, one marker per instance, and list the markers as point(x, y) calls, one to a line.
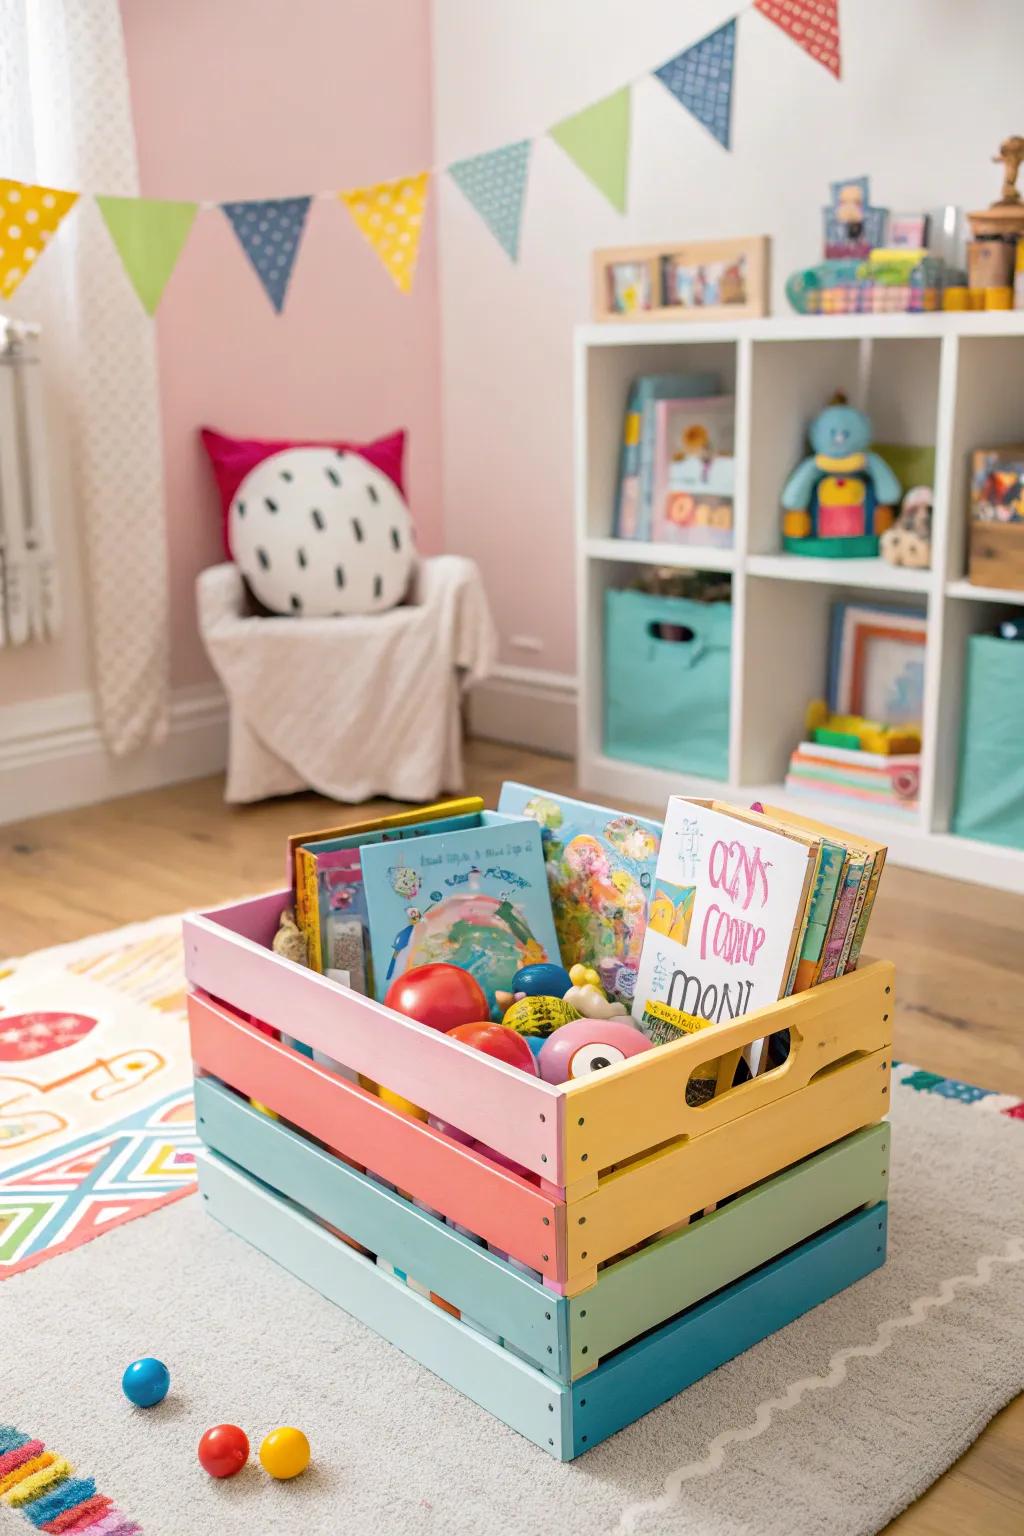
point(667, 699)
point(990, 789)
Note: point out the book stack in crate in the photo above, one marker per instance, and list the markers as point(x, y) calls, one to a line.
point(600, 1243)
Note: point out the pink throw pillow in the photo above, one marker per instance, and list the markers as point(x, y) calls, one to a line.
point(231, 459)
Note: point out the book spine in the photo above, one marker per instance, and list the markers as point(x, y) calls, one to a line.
point(309, 922)
point(646, 472)
point(858, 907)
point(865, 916)
point(841, 922)
point(800, 931)
point(626, 522)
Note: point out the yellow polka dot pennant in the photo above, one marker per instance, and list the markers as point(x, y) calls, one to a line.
point(29, 217)
point(390, 216)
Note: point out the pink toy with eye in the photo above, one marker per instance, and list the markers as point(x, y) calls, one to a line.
point(584, 1046)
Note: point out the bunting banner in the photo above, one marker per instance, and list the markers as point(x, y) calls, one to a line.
point(149, 235)
point(29, 218)
point(269, 233)
point(390, 217)
point(597, 141)
point(812, 24)
point(700, 78)
point(495, 184)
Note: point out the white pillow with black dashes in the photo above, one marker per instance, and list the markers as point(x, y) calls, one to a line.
point(317, 532)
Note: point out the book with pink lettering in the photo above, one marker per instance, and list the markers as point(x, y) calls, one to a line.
point(727, 914)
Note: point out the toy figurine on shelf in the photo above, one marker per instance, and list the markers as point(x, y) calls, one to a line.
point(840, 499)
point(909, 540)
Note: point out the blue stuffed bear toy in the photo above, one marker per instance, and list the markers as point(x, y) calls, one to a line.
point(838, 501)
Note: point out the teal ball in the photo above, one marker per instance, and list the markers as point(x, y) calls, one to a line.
point(542, 979)
point(146, 1382)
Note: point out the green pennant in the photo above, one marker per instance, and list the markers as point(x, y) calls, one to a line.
point(149, 234)
point(597, 139)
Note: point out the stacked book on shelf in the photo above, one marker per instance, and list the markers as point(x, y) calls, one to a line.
point(886, 781)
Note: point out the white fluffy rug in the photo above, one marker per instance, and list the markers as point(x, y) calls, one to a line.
point(830, 1426)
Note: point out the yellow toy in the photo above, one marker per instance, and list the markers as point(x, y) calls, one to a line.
point(285, 1453)
point(585, 976)
point(857, 733)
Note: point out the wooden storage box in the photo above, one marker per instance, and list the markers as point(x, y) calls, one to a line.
point(614, 1160)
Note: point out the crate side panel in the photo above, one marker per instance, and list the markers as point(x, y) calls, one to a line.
point(499, 1381)
point(650, 1287)
point(495, 1295)
point(500, 1106)
point(613, 1115)
point(652, 1194)
point(666, 1362)
point(497, 1205)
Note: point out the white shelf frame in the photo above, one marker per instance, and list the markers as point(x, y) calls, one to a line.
point(969, 391)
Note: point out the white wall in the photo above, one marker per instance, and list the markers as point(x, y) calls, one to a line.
point(929, 89)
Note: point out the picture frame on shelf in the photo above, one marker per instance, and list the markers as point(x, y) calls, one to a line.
point(683, 280)
point(876, 664)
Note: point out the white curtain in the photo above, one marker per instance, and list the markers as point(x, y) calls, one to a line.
point(65, 120)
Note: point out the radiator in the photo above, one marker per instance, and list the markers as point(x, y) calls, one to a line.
point(29, 598)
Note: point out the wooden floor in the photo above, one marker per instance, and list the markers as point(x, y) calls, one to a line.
point(958, 949)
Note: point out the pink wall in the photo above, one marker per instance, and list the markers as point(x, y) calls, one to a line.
point(261, 98)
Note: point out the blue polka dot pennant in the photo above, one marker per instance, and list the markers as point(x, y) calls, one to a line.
point(269, 233)
point(701, 79)
point(495, 184)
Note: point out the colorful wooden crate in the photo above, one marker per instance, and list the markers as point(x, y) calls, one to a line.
point(798, 1156)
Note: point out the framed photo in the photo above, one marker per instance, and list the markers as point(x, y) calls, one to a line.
point(907, 231)
point(700, 280)
point(877, 663)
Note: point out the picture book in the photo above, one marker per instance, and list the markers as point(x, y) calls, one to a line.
point(857, 891)
point(830, 869)
point(600, 867)
point(692, 488)
point(330, 904)
point(632, 509)
point(474, 896)
point(729, 902)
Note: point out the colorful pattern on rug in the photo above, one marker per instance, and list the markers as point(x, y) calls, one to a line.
point(96, 1118)
point(43, 1486)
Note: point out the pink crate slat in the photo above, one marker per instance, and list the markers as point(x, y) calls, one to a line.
point(497, 1205)
point(226, 955)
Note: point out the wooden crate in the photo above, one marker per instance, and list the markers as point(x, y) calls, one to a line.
point(612, 1161)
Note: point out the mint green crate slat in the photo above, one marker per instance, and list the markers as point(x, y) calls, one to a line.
point(490, 1291)
point(667, 702)
point(990, 787)
point(653, 1285)
point(638, 1379)
point(499, 1381)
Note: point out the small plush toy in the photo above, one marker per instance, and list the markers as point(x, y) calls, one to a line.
point(909, 540)
point(586, 1046)
point(289, 940)
point(840, 500)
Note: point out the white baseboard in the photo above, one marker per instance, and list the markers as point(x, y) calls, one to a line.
point(52, 757)
point(527, 707)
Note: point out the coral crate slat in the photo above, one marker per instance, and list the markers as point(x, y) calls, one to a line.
point(226, 955)
point(491, 1201)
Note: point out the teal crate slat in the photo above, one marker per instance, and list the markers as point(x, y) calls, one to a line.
point(651, 1286)
point(664, 1363)
point(494, 1294)
point(507, 1387)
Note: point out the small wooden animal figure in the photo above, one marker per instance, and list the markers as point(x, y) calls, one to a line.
point(289, 940)
point(840, 499)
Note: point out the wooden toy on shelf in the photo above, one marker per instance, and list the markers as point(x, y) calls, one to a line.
point(855, 732)
point(840, 498)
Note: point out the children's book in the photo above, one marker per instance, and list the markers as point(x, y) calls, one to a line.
point(474, 896)
point(600, 866)
point(692, 488)
point(857, 891)
point(824, 891)
point(330, 906)
point(728, 910)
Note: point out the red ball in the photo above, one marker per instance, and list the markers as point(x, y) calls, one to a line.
point(439, 996)
point(223, 1450)
point(496, 1040)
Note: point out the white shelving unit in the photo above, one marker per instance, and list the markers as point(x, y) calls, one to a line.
point(955, 380)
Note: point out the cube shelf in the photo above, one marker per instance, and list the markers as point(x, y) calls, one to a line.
point(955, 380)
point(649, 1239)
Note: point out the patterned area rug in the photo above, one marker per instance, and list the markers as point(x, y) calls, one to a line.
point(96, 1121)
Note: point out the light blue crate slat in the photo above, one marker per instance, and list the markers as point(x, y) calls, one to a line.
point(495, 1295)
point(664, 1363)
point(506, 1386)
